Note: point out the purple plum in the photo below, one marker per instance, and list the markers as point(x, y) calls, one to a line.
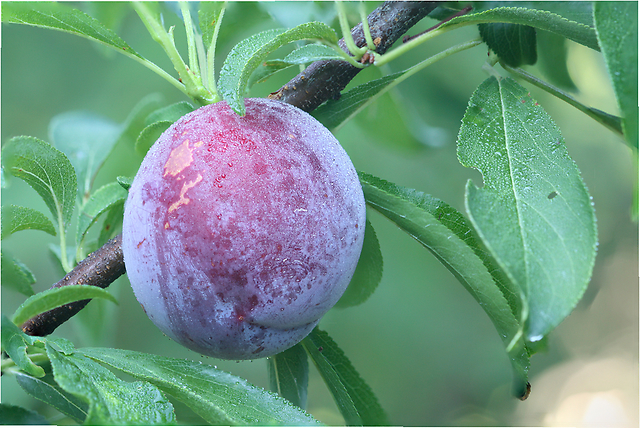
point(241, 232)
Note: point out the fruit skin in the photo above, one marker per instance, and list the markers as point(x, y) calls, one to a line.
point(240, 233)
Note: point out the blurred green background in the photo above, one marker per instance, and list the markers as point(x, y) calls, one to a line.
point(421, 342)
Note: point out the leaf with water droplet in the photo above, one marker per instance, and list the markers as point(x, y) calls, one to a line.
point(546, 246)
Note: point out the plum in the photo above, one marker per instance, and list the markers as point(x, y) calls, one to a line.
point(241, 232)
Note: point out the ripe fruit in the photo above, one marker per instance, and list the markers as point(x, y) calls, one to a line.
point(240, 233)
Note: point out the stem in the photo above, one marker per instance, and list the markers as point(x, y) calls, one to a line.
point(192, 84)
point(188, 26)
point(346, 33)
point(406, 47)
point(211, 55)
point(365, 27)
point(611, 122)
point(64, 260)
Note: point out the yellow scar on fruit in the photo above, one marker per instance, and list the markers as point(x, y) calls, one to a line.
point(179, 158)
point(183, 200)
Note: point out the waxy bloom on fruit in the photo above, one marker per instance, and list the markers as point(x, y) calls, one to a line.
point(240, 233)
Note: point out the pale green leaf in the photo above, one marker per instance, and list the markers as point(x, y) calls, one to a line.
point(14, 343)
point(534, 213)
point(16, 275)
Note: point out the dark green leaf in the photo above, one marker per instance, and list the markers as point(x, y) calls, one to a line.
point(48, 391)
point(15, 415)
point(100, 201)
point(447, 234)
point(368, 272)
point(355, 399)
point(245, 57)
point(218, 397)
point(546, 245)
point(552, 59)
point(125, 182)
point(15, 218)
point(54, 297)
point(334, 113)
point(87, 139)
point(617, 28)
point(111, 224)
point(111, 400)
point(16, 275)
point(289, 375)
point(513, 43)
point(47, 170)
point(14, 343)
point(540, 19)
point(58, 16)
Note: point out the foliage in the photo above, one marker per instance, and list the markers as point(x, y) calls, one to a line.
point(524, 248)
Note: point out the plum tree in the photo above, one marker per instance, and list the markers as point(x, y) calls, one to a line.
point(241, 232)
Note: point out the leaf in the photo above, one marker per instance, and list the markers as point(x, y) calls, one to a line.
point(617, 29)
point(534, 213)
point(218, 397)
point(47, 170)
point(158, 122)
point(209, 14)
point(111, 401)
point(111, 224)
point(16, 275)
point(55, 297)
point(14, 343)
point(15, 415)
point(100, 201)
point(540, 19)
point(245, 57)
point(87, 139)
point(311, 53)
point(16, 218)
point(334, 113)
point(446, 233)
point(289, 375)
point(48, 391)
point(368, 272)
point(57, 16)
point(552, 53)
point(357, 403)
point(514, 44)
point(125, 182)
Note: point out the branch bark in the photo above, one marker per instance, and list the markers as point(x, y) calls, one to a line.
point(321, 81)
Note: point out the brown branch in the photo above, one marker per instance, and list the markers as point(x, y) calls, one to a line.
point(321, 81)
point(324, 80)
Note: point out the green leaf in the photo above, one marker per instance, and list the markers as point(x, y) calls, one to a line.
point(355, 399)
point(14, 343)
point(48, 391)
point(15, 415)
point(289, 375)
point(55, 297)
point(111, 401)
point(534, 213)
point(208, 15)
point(15, 218)
point(100, 201)
point(125, 182)
point(552, 59)
point(245, 57)
point(513, 43)
point(368, 272)
point(111, 224)
point(541, 19)
point(617, 29)
point(447, 234)
point(334, 113)
point(16, 275)
point(57, 16)
point(265, 70)
point(158, 122)
point(218, 397)
point(87, 139)
point(47, 170)
point(311, 53)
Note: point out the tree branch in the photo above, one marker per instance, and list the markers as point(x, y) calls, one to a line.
point(321, 81)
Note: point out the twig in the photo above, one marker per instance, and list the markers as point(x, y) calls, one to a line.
point(319, 82)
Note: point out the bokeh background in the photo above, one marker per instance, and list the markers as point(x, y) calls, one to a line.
point(421, 342)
